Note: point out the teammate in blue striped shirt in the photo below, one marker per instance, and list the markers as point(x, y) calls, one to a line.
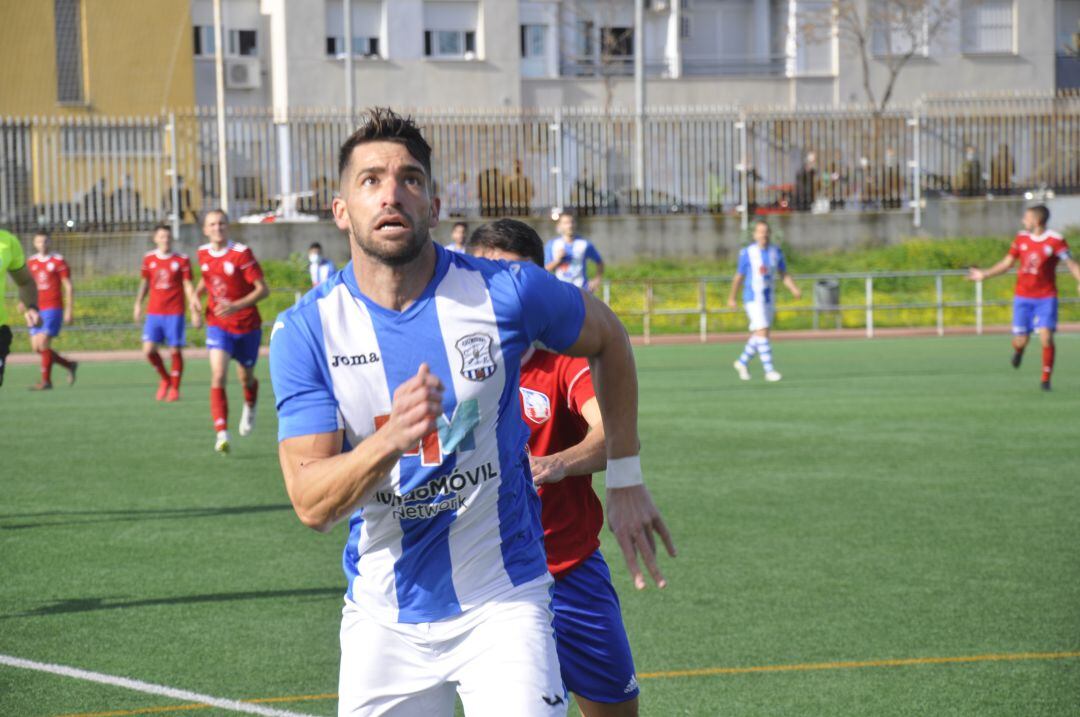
point(760, 264)
point(397, 394)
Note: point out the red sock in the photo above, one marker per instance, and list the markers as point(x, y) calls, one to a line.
point(251, 393)
point(46, 366)
point(1048, 362)
point(60, 359)
point(177, 369)
point(219, 408)
point(155, 360)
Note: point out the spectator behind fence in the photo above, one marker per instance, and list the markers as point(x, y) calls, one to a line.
point(518, 190)
point(457, 237)
point(568, 254)
point(458, 197)
point(1002, 169)
point(969, 180)
point(806, 183)
point(319, 267)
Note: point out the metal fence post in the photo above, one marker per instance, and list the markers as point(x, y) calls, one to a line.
point(940, 295)
point(174, 192)
point(978, 308)
point(916, 165)
point(557, 170)
point(744, 173)
point(607, 291)
point(703, 317)
point(647, 321)
point(869, 307)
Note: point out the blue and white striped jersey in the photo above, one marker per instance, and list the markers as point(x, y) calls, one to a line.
point(457, 522)
point(760, 267)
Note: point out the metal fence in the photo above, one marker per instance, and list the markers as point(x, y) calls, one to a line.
point(108, 174)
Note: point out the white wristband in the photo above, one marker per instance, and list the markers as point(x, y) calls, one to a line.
point(623, 472)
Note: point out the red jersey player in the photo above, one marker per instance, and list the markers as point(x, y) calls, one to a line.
point(55, 302)
point(566, 446)
point(1035, 305)
point(234, 281)
point(166, 276)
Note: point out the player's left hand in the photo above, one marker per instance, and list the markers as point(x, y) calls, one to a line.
point(33, 318)
point(975, 274)
point(594, 284)
point(547, 469)
point(797, 293)
point(224, 307)
point(67, 316)
point(632, 517)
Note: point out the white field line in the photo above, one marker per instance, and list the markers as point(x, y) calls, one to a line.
point(147, 687)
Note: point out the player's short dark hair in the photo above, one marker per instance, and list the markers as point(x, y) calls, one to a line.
point(217, 210)
point(42, 233)
point(382, 124)
point(762, 221)
point(565, 213)
point(463, 225)
point(161, 228)
point(315, 245)
point(509, 235)
point(1042, 212)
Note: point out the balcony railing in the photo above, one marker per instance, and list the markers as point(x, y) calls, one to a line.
point(734, 66)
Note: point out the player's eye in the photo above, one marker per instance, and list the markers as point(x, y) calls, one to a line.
point(368, 181)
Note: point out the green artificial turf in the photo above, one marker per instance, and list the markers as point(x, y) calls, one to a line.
point(890, 499)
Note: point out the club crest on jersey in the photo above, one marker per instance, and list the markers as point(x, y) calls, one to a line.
point(229, 268)
point(537, 405)
point(477, 363)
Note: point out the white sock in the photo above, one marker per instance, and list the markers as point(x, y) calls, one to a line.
point(765, 352)
point(748, 352)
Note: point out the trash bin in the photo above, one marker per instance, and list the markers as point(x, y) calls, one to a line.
point(827, 294)
point(826, 298)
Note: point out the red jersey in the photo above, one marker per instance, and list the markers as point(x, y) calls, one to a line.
point(1039, 257)
point(553, 390)
point(166, 274)
point(48, 270)
point(230, 274)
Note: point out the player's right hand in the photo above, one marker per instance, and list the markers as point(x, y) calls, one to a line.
point(416, 405)
point(731, 304)
point(137, 313)
point(33, 318)
point(975, 274)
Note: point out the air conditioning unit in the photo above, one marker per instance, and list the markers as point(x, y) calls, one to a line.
point(243, 73)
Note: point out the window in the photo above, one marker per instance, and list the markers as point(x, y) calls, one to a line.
point(617, 41)
point(901, 35)
point(684, 28)
point(243, 43)
point(533, 40)
point(204, 41)
point(449, 43)
point(366, 24)
point(69, 70)
point(988, 26)
point(450, 28)
point(1068, 24)
point(583, 39)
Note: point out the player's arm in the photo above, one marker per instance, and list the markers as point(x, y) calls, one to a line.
point(595, 282)
point(260, 291)
point(326, 485)
point(1074, 269)
point(144, 287)
point(789, 282)
point(194, 305)
point(69, 298)
point(736, 284)
point(632, 515)
point(976, 274)
point(28, 295)
point(588, 456)
point(552, 258)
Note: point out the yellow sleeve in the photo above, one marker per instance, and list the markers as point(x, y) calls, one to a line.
point(18, 259)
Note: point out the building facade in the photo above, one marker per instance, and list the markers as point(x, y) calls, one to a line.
point(549, 53)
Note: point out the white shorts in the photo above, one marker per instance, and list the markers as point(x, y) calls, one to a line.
point(499, 658)
point(760, 314)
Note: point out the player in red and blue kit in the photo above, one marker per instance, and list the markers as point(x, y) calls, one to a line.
point(566, 445)
point(233, 279)
point(1035, 306)
point(166, 277)
point(56, 304)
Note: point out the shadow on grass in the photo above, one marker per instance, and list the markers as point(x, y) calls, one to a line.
point(82, 605)
point(60, 518)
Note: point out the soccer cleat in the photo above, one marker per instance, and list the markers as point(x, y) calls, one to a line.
point(71, 372)
point(41, 386)
point(222, 444)
point(740, 368)
point(247, 419)
point(162, 389)
point(172, 395)
point(1045, 385)
point(773, 376)
point(1017, 358)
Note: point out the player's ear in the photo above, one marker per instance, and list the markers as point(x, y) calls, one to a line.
point(436, 205)
point(340, 212)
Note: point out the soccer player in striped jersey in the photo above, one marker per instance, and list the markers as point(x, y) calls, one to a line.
point(396, 384)
point(233, 279)
point(566, 446)
point(1035, 305)
point(56, 303)
point(166, 277)
point(760, 264)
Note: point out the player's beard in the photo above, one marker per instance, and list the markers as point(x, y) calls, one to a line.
point(398, 252)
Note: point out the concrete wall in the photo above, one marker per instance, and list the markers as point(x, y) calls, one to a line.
point(619, 238)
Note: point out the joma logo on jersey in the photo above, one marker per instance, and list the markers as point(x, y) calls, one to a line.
point(354, 360)
point(449, 436)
